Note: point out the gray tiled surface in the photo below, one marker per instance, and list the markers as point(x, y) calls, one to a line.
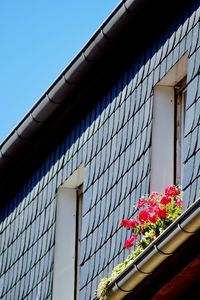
point(114, 143)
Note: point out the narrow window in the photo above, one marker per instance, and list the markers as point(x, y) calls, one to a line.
point(67, 239)
point(79, 196)
point(180, 96)
point(168, 127)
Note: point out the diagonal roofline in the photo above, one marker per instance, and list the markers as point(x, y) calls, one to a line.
point(116, 43)
point(70, 76)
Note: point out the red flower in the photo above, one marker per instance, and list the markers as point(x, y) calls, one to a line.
point(134, 236)
point(128, 223)
point(162, 213)
point(153, 218)
point(124, 223)
point(172, 191)
point(156, 212)
point(150, 212)
point(129, 242)
point(143, 216)
point(179, 202)
point(165, 200)
point(133, 223)
point(153, 206)
point(153, 196)
point(141, 203)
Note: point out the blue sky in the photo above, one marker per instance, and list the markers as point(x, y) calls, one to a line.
point(38, 40)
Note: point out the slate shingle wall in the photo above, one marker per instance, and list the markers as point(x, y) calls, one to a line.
point(114, 143)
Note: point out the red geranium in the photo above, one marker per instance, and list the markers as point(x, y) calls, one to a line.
point(156, 212)
point(133, 223)
point(129, 242)
point(162, 213)
point(124, 223)
point(143, 216)
point(165, 200)
point(179, 202)
point(153, 218)
point(141, 203)
point(128, 223)
point(172, 191)
point(153, 196)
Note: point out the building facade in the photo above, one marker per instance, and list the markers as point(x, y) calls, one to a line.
point(103, 135)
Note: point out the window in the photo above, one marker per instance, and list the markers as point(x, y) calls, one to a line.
point(168, 126)
point(79, 204)
point(68, 225)
point(179, 108)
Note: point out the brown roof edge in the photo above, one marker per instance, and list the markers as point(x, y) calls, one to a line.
point(165, 245)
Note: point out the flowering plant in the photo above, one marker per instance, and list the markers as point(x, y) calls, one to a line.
point(155, 212)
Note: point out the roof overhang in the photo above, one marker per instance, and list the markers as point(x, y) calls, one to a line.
point(166, 250)
point(132, 26)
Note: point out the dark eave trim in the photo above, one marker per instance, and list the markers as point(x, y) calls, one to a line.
point(69, 78)
point(116, 44)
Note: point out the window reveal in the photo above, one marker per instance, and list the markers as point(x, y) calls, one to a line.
point(168, 128)
point(180, 96)
point(79, 200)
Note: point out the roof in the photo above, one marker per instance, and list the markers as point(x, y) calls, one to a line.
point(130, 28)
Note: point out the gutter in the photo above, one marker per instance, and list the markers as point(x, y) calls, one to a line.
point(69, 79)
point(165, 245)
point(40, 130)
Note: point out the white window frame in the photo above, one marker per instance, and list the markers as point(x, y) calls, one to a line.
point(64, 273)
point(163, 149)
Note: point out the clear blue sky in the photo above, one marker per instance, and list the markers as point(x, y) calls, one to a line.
point(38, 40)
